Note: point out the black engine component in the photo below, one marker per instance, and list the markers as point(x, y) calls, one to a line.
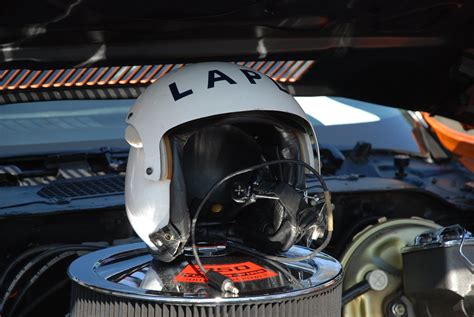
point(438, 272)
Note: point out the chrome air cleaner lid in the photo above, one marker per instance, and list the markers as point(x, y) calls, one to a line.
point(129, 271)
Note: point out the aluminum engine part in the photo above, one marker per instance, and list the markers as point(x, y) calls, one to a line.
point(438, 272)
point(378, 247)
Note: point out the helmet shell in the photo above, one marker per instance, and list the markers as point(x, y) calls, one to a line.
point(193, 92)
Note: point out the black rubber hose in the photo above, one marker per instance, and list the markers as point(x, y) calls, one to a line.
point(50, 291)
point(348, 235)
point(355, 291)
point(35, 277)
point(22, 257)
point(37, 260)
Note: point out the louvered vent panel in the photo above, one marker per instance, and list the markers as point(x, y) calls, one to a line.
point(80, 187)
point(26, 79)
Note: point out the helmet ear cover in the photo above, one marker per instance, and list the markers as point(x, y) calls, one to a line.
point(194, 149)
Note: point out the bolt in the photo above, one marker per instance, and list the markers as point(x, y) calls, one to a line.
point(149, 171)
point(239, 190)
point(229, 287)
point(216, 208)
point(168, 236)
point(378, 280)
point(398, 309)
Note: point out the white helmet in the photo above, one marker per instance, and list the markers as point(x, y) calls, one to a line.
point(196, 95)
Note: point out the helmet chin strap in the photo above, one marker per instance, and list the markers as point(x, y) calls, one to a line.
point(171, 239)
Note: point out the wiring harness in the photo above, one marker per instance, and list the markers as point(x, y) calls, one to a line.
point(27, 268)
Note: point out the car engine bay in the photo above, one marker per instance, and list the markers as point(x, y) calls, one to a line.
point(237, 158)
point(381, 223)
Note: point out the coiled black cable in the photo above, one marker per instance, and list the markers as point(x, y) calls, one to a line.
point(328, 208)
point(286, 272)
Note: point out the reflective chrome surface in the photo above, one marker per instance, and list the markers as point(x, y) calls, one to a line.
point(454, 235)
point(129, 271)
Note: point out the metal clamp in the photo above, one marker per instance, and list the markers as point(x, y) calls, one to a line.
point(443, 236)
point(464, 234)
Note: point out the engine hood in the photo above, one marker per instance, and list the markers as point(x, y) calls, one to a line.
point(415, 55)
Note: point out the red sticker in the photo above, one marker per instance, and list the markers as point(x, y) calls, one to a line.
point(237, 272)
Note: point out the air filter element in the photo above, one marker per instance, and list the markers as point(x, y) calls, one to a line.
point(125, 281)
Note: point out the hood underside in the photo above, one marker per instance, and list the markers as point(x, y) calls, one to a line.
point(410, 54)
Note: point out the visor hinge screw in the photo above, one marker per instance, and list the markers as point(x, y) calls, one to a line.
point(149, 171)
